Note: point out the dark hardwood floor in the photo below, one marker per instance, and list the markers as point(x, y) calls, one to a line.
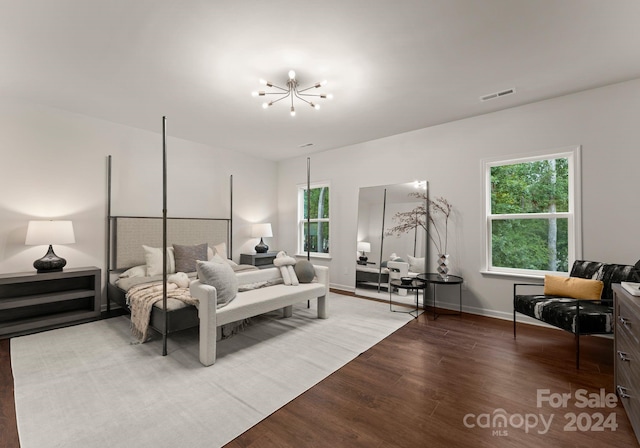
point(419, 387)
point(8, 428)
point(415, 388)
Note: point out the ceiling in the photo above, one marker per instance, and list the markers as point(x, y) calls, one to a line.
point(392, 66)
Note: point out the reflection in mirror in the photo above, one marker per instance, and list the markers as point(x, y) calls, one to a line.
point(391, 229)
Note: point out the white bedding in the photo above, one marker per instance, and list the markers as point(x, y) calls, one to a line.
point(363, 268)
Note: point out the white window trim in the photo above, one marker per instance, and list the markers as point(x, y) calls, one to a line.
point(574, 214)
point(302, 221)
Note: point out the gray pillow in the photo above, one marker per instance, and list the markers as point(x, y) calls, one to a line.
point(304, 271)
point(186, 256)
point(221, 277)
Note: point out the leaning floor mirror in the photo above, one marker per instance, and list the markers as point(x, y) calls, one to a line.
point(392, 227)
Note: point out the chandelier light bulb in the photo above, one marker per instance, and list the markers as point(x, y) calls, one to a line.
point(293, 92)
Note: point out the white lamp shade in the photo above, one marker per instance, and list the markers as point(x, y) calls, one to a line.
point(49, 232)
point(261, 230)
point(364, 246)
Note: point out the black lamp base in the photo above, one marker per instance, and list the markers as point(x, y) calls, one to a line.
point(261, 248)
point(50, 262)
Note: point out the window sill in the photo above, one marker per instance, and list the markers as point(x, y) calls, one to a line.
point(513, 275)
point(316, 255)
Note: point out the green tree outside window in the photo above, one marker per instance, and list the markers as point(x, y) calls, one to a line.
point(529, 215)
point(317, 226)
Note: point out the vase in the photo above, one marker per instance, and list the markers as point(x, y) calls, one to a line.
point(443, 266)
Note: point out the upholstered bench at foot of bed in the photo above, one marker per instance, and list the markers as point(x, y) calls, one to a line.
point(253, 303)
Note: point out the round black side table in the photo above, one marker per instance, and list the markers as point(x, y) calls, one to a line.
point(435, 280)
point(415, 285)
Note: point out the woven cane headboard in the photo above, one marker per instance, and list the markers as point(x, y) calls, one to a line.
point(130, 233)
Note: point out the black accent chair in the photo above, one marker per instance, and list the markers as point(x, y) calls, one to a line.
point(577, 316)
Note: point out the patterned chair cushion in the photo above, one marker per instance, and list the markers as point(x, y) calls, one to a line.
point(596, 316)
point(607, 273)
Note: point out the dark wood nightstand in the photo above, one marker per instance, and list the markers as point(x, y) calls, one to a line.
point(32, 302)
point(260, 261)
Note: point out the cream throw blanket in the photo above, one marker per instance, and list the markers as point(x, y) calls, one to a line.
point(141, 299)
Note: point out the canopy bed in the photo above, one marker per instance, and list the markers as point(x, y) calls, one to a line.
point(144, 250)
point(155, 264)
point(136, 259)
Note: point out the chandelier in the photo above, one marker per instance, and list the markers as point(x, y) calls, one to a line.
point(292, 91)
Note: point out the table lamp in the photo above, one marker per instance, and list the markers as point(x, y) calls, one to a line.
point(49, 233)
point(261, 231)
point(364, 247)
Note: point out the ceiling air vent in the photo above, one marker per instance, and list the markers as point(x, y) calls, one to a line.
point(492, 96)
point(305, 145)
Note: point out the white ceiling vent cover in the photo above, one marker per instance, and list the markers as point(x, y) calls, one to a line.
point(492, 96)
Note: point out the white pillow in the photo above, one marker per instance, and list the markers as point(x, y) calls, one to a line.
point(210, 253)
point(221, 249)
point(218, 259)
point(136, 271)
point(180, 279)
point(416, 264)
point(153, 258)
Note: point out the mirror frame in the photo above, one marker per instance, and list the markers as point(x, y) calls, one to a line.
point(384, 191)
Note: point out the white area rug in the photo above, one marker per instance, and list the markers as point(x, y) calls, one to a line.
point(88, 386)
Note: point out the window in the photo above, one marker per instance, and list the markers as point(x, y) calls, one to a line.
point(318, 223)
point(532, 224)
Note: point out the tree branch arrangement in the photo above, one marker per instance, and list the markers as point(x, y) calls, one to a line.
point(439, 210)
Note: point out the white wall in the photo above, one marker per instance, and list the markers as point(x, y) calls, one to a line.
point(603, 121)
point(54, 165)
point(402, 245)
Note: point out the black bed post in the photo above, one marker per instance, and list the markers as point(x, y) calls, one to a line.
point(164, 236)
point(230, 236)
point(108, 267)
point(308, 208)
point(384, 211)
point(309, 214)
point(426, 291)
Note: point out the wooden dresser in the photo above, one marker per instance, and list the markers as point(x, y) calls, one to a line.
point(31, 302)
point(627, 353)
